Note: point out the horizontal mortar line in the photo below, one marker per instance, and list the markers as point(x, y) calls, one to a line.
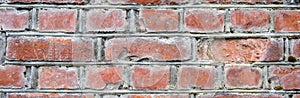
point(111, 63)
point(29, 63)
point(141, 6)
point(229, 35)
point(145, 91)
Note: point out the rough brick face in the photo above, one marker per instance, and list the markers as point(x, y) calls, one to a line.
point(295, 48)
point(97, 78)
point(151, 48)
point(144, 2)
point(204, 21)
point(55, 77)
point(50, 49)
point(242, 1)
point(48, 95)
point(155, 96)
point(296, 96)
point(256, 20)
point(287, 77)
point(57, 20)
point(239, 76)
point(12, 76)
point(101, 20)
point(189, 77)
point(46, 1)
point(241, 50)
point(150, 77)
point(215, 1)
point(240, 96)
point(159, 20)
point(259, 1)
point(287, 21)
point(13, 19)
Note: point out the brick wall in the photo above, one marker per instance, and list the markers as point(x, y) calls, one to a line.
point(149, 49)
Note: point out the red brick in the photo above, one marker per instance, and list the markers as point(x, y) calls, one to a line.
point(190, 76)
point(296, 96)
point(48, 95)
point(160, 20)
point(216, 1)
point(144, 2)
point(256, 20)
point(97, 78)
point(101, 20)
point(50, 49)
point(241, 96)
point(259, 1)
point(287, 77)
point(156, 96)
point(46, 1)
point(287, 21)
point(150, 77)
point(241, 50)
point(55, 77)
point(204, 21)
point(295, 48)
point(152, 48)
point(13, 19)
point(57, 20)
point(242, 1)
point(12, 76)
point(243, 77)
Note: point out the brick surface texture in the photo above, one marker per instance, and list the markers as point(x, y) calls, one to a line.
point(149, 49)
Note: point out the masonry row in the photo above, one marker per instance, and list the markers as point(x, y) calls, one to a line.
point(139, 77)
point(147, 2)
point(150, 20)
point(174, 95)
point(137, 49)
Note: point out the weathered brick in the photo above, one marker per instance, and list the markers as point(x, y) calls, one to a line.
point(144, 2)
point(240, 96)
point(152, 48)
point(13, 19)
point(295, 48)
point(242, 1)
point(159, 20)
point(296, 96)
point(287, 21)
point(202, 77)
point(155, 96)
point(286, 77)
point(46, 1)
point(156, 77)
point(12, 76)
point(258, 1)
point(55, 77)
point(97, 78)
point(240, 76)
point(57, 20)
point(204, 21)
point(50, 49)
point(101, 20)
point(241, 50)
point(48, 95)
point(215, 1)
point(254, 20)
